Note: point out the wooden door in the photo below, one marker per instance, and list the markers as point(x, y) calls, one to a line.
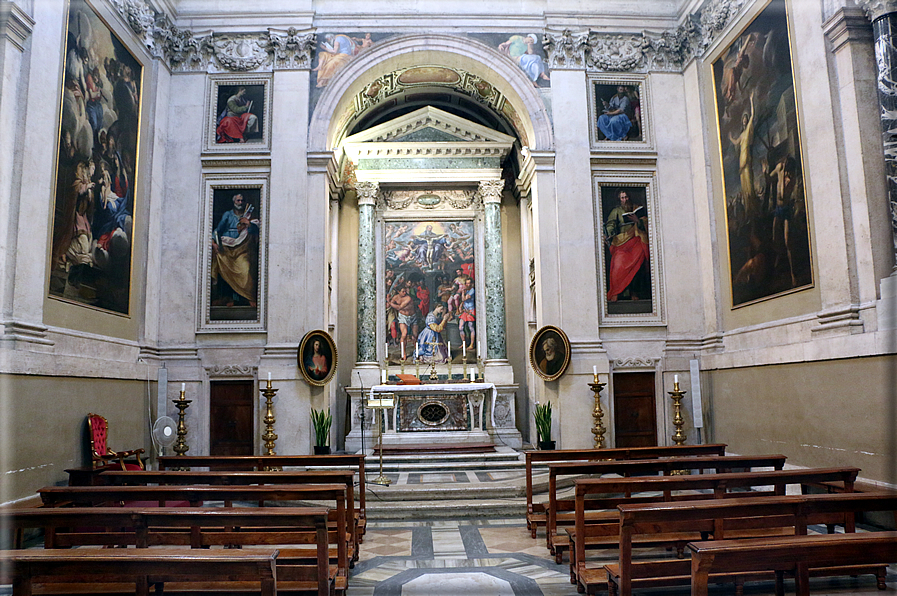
point(635, 422)
point(231, 407)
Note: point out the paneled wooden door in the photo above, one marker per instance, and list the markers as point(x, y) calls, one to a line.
point(231, 407)
point(635, 421)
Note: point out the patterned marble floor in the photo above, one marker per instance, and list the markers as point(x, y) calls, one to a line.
point(498, 558)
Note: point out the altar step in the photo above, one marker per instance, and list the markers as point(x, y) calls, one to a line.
point(452, 486)
point(435, 449)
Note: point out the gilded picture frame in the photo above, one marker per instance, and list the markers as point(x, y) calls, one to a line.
point(549, 353)
point(635, 117)
point(91, 247)
point(238, 114)
point(317, 357)
point(767, 212)
point(629, 280)
point(233, 254)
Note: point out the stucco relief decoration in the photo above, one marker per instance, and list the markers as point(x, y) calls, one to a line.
point(615, 52)
point(292, 50)
point(566, 49)
point(634, 363)
point(501, 413)
point(230, 370)
point(240, 54)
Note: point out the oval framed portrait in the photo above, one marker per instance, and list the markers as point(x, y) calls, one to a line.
point(549, 352)
point(317, 357)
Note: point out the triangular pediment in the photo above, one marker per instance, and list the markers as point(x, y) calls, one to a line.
point(429, 124)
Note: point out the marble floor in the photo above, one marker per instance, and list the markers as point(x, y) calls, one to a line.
point(498, 558)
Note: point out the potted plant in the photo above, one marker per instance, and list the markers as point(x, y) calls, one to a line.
point(543, 425)
point(321, 420)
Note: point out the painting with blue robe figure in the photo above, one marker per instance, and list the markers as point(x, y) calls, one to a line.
point(96, 171)
point(766, 208)
point(234, 269)
point(619, 108)
point(429, 283)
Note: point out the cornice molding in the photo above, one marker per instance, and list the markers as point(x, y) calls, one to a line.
point(15, 24)
point(847, 25)
point(647, 51)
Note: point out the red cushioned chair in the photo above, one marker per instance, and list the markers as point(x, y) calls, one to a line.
point(102, 456)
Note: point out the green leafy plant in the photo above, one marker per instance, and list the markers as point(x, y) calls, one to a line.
point(321, 420)
point(543, 421)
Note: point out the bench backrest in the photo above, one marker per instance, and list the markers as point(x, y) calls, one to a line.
point(614, 453)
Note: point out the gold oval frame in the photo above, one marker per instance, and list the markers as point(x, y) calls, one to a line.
point(536, 352)
point(432, 402)
point(306, 341)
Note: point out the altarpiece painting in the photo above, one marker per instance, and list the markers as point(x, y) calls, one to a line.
point(766, 208)
point(96, 171)
point(429, 283)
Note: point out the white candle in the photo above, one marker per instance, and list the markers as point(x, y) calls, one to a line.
point(464, 349)
point(269, 375)
point(416, 351)
point(595, 370)
point(450, 349)
point(479, 349)
point(472, 375)
point(403, 350)
point(675, 378)
point(383, 377)
point(183, 387)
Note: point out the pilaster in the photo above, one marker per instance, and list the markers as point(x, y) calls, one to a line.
point(496, 348)
point(367, 288)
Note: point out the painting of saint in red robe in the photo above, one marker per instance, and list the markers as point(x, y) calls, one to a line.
point(627, 256)
point(240, 113)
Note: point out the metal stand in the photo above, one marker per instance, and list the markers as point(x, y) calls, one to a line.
point(386, 401)
point(182, 403)
point(269, 437)
point(598, 414)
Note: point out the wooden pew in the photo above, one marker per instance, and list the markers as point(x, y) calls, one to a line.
point(535, 512)
point(758, 517)
point(173, 477)
point(299, 569)
point(560, 511)
point(660, 489)
point(353, 461)
point(140, 568)
point(792, 554)
point(91, 496)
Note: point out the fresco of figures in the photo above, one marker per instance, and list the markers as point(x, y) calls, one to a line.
point(766, 209)
point(96, 169)
point(429, 285)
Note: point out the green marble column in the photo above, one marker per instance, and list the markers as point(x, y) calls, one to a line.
point(367, 286)
point(496, 346)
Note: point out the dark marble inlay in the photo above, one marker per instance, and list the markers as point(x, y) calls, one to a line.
point(473, 542)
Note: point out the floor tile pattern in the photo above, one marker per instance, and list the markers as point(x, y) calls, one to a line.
point(498, 558)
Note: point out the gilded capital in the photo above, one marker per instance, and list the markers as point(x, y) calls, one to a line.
point(367, 192)
point(875, 9)
point(490, 190)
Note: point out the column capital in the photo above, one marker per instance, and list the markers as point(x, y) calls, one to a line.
point(875, 9)
point(490, 190)
point(367, 192)
point(847, 25)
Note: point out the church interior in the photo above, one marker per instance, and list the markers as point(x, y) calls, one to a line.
point(461, 246)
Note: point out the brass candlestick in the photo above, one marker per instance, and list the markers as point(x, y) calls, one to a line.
point(598, 414)
point(679, 436)
point(433, 375)
point(269, 437)
point(481, 366)
point(182, 403)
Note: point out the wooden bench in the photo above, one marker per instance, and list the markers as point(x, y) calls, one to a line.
point(747, 517)
point(141, 568)
point(92, 496)
point(240, 478)
point(535, 512)
point(354, 462)
point(607, 493)
point(299, 569)
point(560, 511)
point(790, 554)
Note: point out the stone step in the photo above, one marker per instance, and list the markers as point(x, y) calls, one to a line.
point(455, 509)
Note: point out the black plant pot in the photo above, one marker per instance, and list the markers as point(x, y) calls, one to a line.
point(546, 445)
point(322, 450)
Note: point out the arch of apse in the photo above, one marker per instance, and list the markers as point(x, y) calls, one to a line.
point(327, 127)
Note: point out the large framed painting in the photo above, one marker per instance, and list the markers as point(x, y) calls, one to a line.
point(549, 353)
point(619, 114)
point(317, 357)
point(762, 170)
point(234, 254)
point(628, 250)
point(96, 171)
point(238, 118)
point(429, 281)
